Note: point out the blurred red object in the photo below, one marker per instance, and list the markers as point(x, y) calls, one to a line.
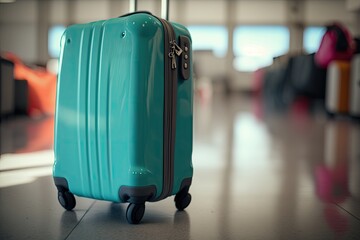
point(258, 81)
point(42, 86)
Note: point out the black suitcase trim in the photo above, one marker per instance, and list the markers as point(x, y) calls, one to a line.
point(61, 184)
point(137, 194)
point(169, 119)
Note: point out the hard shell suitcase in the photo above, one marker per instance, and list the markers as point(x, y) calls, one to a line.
point(355, 87)
point(123, 123)
point(337, 87)
point(307, 79)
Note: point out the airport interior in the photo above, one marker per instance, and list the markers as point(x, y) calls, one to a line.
point(259, 138)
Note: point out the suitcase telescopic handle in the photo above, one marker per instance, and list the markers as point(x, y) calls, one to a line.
point(164, 8)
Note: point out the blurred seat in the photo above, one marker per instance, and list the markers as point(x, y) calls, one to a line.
point(41, 85)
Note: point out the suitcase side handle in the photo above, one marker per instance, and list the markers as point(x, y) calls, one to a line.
point(164, 8)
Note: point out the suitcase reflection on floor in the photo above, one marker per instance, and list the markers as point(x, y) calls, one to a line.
point(27, 135)
point(332, 176)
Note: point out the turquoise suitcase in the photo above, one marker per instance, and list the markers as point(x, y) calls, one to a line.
point(124, 109)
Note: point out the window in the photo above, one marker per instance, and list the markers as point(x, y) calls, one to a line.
point(312, 38)
point(213, 38)
point(54, 38)
point(256, 46)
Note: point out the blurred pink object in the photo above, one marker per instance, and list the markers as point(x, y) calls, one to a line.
point(336, 44)
point(258, 80)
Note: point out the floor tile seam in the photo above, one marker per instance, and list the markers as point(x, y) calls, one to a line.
point(353, 215)
point(79, 220)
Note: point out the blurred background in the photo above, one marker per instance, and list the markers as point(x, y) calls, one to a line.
point(276, 116)
point(231, 39)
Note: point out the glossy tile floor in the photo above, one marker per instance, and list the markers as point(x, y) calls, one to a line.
point(293, 175)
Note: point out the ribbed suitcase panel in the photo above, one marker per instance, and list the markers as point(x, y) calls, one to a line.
point(83, 143)
point(96, 100)
point(82, 146)
point(86, 118)
point(71, 150)
point(103, 128)
point(92, 113)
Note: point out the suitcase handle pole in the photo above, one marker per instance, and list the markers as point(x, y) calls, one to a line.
point(133, 6)
point(165, 9)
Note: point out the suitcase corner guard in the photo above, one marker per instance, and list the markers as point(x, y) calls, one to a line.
point(137, 194)
point(61, 184)
point(186, 183)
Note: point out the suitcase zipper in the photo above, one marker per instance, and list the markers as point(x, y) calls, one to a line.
point(171, 50)
point(170, 94)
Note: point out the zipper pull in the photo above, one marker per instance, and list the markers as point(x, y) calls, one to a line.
point(173, 60)
point(175, 49)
